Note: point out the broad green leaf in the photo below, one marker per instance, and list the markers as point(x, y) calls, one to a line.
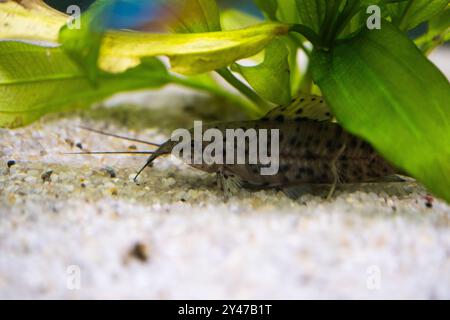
point(383, 89)
point(269, 7)
point(327, 18)
point(312, 13)
point(336, 19)
point(233, 19)
point(360, 16)
point(188, 53)
point(196, 16)
point(83, 45)
point(440, 22)
point(287, 11)
point(280, 10)
point(52, 82)
point(410, 14)
point(271, 78)
point(183, 16)
point(438, 32)
point(29, 20)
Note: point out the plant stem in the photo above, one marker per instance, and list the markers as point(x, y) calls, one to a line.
point(307, 82)
point(299, 43)
point(251, 109)
point(308, 33)
point(332, 16)
point(260, 104)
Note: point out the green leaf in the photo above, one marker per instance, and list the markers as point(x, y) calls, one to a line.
point(190, 16)
point(271, 78)
point(188, 53)
point(336, 19)
point(83, 45)
point(355, 16)
point(383, 89)
point(296, 76)
point(327, 19)
point(269, 7)
point(196, 16)
point(121, 50)
point(287, 11)
point(233, 19)
point(438, 32)
point(312, 13)
point(412, 13)
point(440, 22)
point(52, 82)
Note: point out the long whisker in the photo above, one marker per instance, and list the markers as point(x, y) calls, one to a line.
point(140, 171)
point(120, 137)
point(112, 152)
point(148, 163)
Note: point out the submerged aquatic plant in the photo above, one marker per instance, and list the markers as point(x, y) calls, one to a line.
point(360, 57)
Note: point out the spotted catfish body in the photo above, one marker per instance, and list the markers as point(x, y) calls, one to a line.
point(312, 150)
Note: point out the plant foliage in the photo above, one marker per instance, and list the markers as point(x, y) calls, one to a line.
point(379, 83)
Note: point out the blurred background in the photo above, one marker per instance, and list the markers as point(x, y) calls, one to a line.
point(135, 14)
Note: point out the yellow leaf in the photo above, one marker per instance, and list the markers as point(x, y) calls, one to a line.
point(188, 53)
point(30, 20)
point(122, 50)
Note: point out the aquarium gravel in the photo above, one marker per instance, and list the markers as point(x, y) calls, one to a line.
point(173, 236)
point(79, 227)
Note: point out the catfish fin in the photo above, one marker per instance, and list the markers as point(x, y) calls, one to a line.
point(392, 178)
point(229, 183)
point(311, 107)
point(296, 192)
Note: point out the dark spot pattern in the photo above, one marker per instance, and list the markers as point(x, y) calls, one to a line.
point(10, 163)
point(354, 142)
point(330, 145)
point(280, 118)
point(338, 131)
point(309, 155)
point(301, 173)
point(366, 147)
point(293, 141)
